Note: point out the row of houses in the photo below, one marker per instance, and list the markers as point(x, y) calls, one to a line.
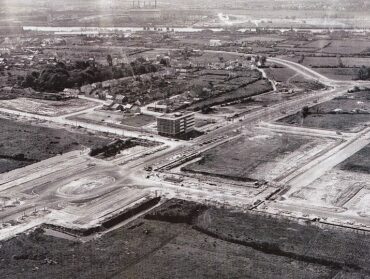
point(126, 108)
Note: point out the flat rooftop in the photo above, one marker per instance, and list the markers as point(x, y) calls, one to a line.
point(175, 115)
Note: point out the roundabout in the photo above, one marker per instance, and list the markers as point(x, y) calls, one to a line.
point(86, 186)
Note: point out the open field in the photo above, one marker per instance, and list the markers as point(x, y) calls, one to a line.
point(262, 38)
point(292, 81)
point(335, 189)
point(356, 61)
point(23, 144)
point(200, 243)
point(115, 119)
point(213, 58)
point(330, 121)
point(100, 116)
point(280, 74)
point(338, 195)
point(8, 164)
point(347, 46)
point(320, 62)
point(48, 108)
point(339, 73)
point(348, 113)
point(263, 156)
point(318, 44)
point(199, 123)
point(330, 67)
point(359, 162)
point(138, 120)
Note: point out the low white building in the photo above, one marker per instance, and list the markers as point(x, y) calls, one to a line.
point(215, 43)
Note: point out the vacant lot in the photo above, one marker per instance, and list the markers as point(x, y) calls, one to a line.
point(208, 243)
point(320, 62)
point(359, 162)
point(48, 108)
point(138, 120)
point(115, 119)
point(345, 189)
point(348, 113)
point(280, 74)
point(260, 157)
point(339, 73)
point(23, 144)
point(339, 122)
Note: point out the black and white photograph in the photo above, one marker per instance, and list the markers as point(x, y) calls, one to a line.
point(184, 139)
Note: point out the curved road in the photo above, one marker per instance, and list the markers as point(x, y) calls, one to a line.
point(135, 175)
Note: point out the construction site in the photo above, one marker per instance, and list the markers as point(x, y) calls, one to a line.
point(208, 146)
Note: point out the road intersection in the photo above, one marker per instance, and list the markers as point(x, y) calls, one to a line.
point(132, 183)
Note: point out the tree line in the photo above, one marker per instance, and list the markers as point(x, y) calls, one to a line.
point(58, 76)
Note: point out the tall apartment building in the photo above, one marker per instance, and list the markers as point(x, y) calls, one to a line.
point(175, 124)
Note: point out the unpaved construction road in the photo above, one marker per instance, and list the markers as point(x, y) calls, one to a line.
point(133, 176)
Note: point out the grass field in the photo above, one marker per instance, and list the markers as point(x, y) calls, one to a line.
point(138, 120)
point(210, 243)
point(350, 113)
point(359, 162)
point(280, 74)
point(338, 73)
point(8, 164)
point(318, 44)
point(338, 122)
point(356, 61)
point(23, 144)
point(347, 46)
point(320, 62)
point(48, 108)
point(249, 158)
point(214, 58)
point(269, 38)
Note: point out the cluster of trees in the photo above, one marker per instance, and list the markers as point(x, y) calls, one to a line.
point(58, 76)
point(301, 59)
point(363, 73)
point(305, 111)
point(262, 59)
point(112, 148)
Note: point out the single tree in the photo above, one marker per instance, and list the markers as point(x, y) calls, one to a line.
point(109, 60)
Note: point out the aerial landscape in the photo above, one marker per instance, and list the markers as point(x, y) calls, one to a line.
point(185, 139)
